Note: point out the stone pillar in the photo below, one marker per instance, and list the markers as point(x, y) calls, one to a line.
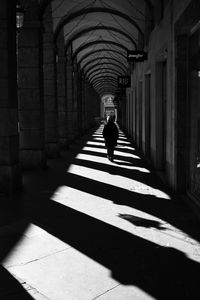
point(61, 93)
point(182, 111)
point(10, 174)
point(91, 105)
point(70, 104)
point(80, 102)
point(30, 82)
point(83, 97)
point(75, 98)
point(87, 95)
point(50, 99)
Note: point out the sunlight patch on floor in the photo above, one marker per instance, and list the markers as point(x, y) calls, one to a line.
point(95, 143)
point(128, 165)
point(44, 261)
point(97, 136)
point(117, 181)
point(35, 243)
point(99, 208)
point(158, 231)
point(92, 149)
point(93, 158)
point(123, 142)
point(119, 153)
point(125, 147)
point(40, 262)
point(118, 163)
point(122, 137)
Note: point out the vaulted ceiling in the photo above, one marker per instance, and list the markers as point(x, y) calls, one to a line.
point(99, 33)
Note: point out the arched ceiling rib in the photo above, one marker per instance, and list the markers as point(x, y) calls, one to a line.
point(66, 19)
point(45, 3)
point(100, 31)
point(80, 33)
point(104, 85)
point(103, 55)
point(109, 80)
point(103, 71)
point(105, 82)
point(104, 59)
point(104, 91)
point(100, 65)
point(100, 77)
point(104, 50)
point(87, 45)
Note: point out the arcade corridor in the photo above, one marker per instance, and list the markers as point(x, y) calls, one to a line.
point(95, 229)
point(73, 225)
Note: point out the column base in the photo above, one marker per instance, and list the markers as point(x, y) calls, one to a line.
point(52, 150)
point(64, 143)
point(32, 159)
point(10, 178)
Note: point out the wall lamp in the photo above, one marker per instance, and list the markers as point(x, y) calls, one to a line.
point(19, 16)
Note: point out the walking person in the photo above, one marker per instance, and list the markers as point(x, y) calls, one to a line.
point(110, 134)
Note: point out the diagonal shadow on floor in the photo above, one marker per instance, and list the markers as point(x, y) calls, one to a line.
point(11, 288)
point(162, 272)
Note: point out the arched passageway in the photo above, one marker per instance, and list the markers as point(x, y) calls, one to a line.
point(56, 68)
point(68, 66)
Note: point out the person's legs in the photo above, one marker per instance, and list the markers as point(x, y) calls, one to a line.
point(111, 152)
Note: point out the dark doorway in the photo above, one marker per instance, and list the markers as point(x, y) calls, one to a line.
point(193, 180)
point(147, 110)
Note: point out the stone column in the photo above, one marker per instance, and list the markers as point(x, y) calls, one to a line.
point(10, 174)
point(70, 110)
point(182, 138)
point(91, 108)
point(50, 97)
point(83, 97)
point(87, 95)
point(61, 93)
point(80, 104)
point(30, 82)
point(75, 98)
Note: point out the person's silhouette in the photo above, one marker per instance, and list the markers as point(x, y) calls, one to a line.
point(110, 134)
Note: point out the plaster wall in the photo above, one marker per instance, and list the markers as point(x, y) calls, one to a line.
point(161, 48)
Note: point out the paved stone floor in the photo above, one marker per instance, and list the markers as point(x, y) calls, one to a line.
point(86, 228)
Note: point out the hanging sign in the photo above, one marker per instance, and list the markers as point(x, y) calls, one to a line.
point(124, 81)
point(136, 55)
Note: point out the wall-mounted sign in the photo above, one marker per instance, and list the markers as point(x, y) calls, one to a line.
point(124, 81)
point(136, 55)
